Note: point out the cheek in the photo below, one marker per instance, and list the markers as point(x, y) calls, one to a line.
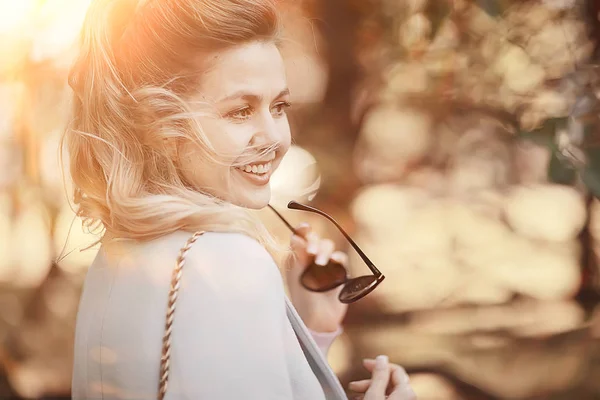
point(228, 140)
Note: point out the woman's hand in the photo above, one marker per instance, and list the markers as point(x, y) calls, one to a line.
point(388, 381)
point(321, 312)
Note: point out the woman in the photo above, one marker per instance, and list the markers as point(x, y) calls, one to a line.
point(179, 121)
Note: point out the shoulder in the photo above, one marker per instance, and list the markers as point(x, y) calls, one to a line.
point(224, 262)
point(208, 246)
point(237, 249)
point(229, 261)
point(228, 277)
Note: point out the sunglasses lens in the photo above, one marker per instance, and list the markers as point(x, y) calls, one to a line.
point(357, 288)
point(322, 278)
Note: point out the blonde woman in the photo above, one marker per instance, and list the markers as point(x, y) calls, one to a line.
point(179, 121)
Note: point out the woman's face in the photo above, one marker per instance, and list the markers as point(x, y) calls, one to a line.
point(243, 98)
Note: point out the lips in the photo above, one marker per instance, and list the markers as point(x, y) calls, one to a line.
point(257, 168)
point(258, 172)
point(257, 178)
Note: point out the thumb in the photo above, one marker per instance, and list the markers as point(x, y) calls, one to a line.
point(379, 379)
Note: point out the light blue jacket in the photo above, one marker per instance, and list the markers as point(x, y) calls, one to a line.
point(235, 334)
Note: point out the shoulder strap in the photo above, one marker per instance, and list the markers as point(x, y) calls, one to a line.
point(173, 292)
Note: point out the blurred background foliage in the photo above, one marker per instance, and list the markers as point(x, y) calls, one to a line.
point(456, 139)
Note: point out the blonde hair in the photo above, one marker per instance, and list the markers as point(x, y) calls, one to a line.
point(130, 82)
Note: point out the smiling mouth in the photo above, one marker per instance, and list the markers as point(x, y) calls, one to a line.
point(259, 174)
point(256, 169)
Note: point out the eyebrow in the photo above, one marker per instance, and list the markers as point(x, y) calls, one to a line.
point(251, 96)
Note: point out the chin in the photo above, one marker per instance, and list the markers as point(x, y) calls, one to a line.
point(255, 199)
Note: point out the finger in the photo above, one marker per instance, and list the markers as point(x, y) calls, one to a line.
point(326, 247)
point(369, 364)
point(401, 384)
point(360, 386)
point(340, 257)
point(298, 243)
point(401, 389)
point(312, 247)
point(302, 230)
point(404, 392)
point(399, 374)
point(380, 378)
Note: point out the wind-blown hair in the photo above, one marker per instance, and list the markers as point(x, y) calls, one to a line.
point(132, 81)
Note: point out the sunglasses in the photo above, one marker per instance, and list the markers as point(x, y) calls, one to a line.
point(323, 278)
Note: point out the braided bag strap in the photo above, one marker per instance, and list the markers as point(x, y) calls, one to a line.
point(173, 293)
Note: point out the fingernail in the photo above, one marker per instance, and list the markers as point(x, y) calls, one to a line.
point(321, 260)
point(381, 362)
point(338, 258)
point(312, 248)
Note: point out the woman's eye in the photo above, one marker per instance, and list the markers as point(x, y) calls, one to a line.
point(240, 114)
point(279, 108)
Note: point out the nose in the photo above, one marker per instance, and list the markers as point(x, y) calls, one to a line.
point(270, 131)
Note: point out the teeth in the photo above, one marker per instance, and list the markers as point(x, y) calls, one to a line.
point(256, 168)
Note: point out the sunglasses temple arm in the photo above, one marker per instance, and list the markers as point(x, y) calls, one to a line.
point(285, 221)
point(362, 255)
point(372, 267)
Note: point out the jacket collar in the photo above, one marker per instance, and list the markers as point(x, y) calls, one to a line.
point(329, 382)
